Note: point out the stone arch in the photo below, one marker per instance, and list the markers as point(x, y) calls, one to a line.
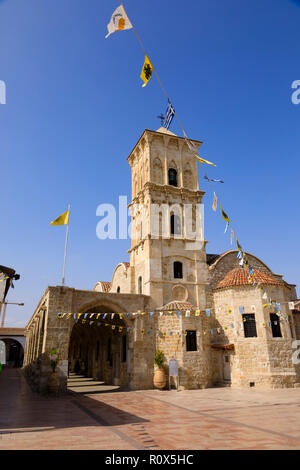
point(99, 347)
point(14, 352)
point(172, 164)
point(120, 278)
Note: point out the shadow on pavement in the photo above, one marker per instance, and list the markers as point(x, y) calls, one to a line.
point(22, 410)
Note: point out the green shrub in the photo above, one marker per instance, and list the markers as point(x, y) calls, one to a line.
point(53, 358)
point(159, 358)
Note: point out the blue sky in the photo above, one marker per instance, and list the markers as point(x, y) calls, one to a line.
point(75, 109)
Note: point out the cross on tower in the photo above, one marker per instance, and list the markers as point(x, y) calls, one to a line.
point(162, 118)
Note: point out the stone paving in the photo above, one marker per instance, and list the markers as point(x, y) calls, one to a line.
point(217, 418)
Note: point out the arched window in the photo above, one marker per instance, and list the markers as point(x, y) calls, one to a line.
point(172, 173)
point(175, 225)
point(140, 287)
point(177, 270)
point(118, 289)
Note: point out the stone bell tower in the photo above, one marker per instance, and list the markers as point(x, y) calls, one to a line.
point(167, 254)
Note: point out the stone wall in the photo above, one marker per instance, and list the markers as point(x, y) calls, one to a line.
point(296, 322)
point(195, 367)
point(262, 360)
point(45, 331)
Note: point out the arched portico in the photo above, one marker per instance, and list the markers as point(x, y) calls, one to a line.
point(99, 347)
point(48, 330)
point(12, 355)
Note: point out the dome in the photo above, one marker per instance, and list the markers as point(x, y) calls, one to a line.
point(239, 277)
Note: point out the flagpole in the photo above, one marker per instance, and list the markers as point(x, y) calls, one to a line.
point(66, 246)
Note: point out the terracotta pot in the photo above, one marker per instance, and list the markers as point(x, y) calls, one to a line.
point(53, 382)
point(159, 379)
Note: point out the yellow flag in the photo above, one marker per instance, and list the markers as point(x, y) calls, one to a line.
point(63, 219)
point(224, 215)
point(146, 71)
point(201, 160)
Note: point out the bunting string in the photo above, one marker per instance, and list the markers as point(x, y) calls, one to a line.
point(117, 328)
point(103, 318)
point(148, 66)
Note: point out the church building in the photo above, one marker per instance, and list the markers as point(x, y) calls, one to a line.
point(171, 295)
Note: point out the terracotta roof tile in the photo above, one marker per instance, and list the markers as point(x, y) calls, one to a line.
point(239, 277)
point(177, 305)
point(106, 286)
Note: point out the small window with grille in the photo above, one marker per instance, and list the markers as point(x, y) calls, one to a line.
point(177, 270)
point(191, 340)
point(275, 326)
point(249, 325)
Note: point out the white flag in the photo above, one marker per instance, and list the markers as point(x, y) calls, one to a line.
point(291, 305)
point(214, 206)
point(190, 144)
point(119, 21)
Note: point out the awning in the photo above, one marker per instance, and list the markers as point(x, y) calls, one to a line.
point(225, 347)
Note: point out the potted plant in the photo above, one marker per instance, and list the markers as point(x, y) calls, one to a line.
point(53, 378)
point(159, 379)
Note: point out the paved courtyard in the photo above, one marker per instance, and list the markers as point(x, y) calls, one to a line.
point(102, 417)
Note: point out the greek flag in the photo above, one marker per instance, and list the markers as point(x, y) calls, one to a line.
point(170, 113)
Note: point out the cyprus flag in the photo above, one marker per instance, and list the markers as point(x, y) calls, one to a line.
point(118, 21)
